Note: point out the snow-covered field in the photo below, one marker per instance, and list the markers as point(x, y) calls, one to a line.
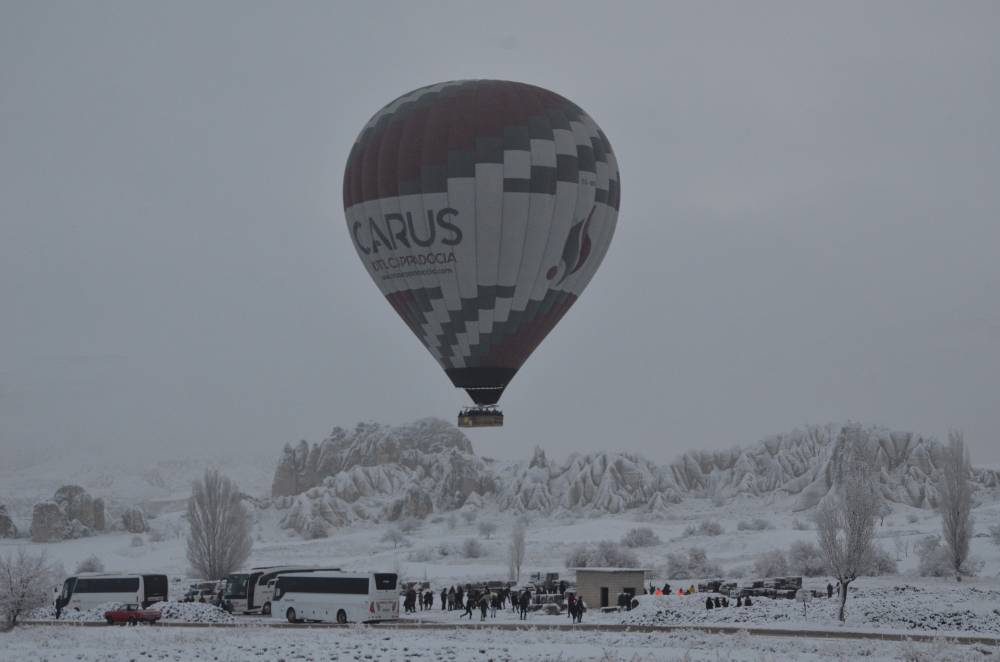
point(49, 644)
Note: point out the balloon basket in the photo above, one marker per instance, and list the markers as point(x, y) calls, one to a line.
point(480, 417)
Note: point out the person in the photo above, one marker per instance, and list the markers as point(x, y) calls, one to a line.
point(718, 602)
point(459, 602)
point(562, 587)
point(829, 590)
point(708, 603)
point(739, 600)
point(666, 589)
point(444, 599)
point(748, 602)
point(469, 605)
point(524, 602)
point(410, 604)
point(725, 602)
point(484, 605)
point(571, 606)
point(622, 600)
point(580, 608)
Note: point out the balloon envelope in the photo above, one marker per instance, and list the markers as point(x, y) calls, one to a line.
point(481, 209)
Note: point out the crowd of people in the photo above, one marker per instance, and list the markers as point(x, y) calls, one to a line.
point(487, 601)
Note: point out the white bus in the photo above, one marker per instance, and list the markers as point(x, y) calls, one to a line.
point(91, 589)
point(335, 597)
point(248, 592)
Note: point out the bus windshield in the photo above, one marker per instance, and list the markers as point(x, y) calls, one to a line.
point(236, 586)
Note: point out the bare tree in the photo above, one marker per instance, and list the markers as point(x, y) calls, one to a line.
point(487, 528)
point(845, 521)
point(90, 564)
point(219, 539)
point(956, 501)
point(26, 582)
point(517, 551)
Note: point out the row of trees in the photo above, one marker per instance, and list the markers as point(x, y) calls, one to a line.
point(845, 521)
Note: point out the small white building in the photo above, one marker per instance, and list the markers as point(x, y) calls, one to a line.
point(599, 587)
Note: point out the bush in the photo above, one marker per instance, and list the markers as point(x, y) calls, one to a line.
point(933, 557)
point(395, 536)
point(423, 555)
point(771, 564)
point(704, 528)
point(470, 516)
point(605, 554)
point(640, 537)
point(995, 534)
point(137, 541)
point(409, 525)
point(691, 565)
point(90, 564)
point(804, 558)
point(487, 528)
point(472, 548)
point(757, 524)
point(799, 525)
point(882, 563)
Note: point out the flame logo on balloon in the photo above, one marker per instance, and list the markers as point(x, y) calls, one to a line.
point(576, 250)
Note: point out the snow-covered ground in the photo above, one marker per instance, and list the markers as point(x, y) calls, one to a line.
point(48, 644)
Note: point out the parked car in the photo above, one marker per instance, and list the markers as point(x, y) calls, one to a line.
point(133, 614)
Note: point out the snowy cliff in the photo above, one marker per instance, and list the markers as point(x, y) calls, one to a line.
point(377, 472)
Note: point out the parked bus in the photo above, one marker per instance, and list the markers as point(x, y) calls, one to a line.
point(248, 592)
point(91, 589)
point(335, 597)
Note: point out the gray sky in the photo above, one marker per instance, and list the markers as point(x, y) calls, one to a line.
point(808, 232)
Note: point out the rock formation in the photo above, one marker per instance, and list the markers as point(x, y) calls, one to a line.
point(48, 522)
point(78, 505)
point(7, 528)
point(134, 521)
point(379, 473)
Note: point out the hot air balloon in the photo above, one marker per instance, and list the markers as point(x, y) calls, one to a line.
point(481, 209)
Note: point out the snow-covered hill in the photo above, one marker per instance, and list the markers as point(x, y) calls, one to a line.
point(378, 472)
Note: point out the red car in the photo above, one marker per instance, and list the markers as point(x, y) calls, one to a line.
point(132, 614)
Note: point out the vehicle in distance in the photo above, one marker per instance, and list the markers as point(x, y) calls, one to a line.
point(250, 592)
point(132, 614)
point(335, 597)
point(88, 590)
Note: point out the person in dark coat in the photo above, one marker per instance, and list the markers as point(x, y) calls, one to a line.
point(525, 601)
point(444, 599)
point(571, 606)
point(484, 605)
point(580, 608)
point(459, 602)
point(829, 590)
point(718, 602)
point(725, 602)
point(748, 602)
point(739, 600)
point(709, 604)
point(470, 604)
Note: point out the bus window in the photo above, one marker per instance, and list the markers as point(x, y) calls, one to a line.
point(385, 581)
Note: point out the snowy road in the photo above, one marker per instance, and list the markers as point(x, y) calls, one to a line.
point(454, 644)
point(588, 629)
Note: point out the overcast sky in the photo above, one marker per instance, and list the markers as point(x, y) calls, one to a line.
point(809, 228)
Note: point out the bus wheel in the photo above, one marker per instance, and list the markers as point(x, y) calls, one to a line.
point(342, 617)
point(290, 615)
point(266, 609)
